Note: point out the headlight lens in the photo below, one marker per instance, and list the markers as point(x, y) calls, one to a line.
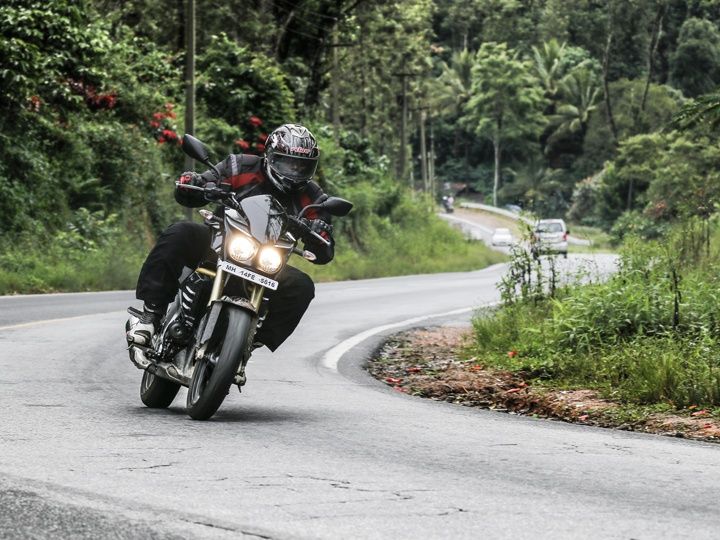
point(270, 260)
point(242, 248)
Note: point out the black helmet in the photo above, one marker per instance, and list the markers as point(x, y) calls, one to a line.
point(291, 157)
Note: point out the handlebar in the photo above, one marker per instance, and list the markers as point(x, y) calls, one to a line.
point(305, 230)
point(223, 194)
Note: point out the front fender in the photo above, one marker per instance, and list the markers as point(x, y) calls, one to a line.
point(216, 309)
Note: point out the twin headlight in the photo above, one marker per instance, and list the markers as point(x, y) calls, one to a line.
point(243, 249)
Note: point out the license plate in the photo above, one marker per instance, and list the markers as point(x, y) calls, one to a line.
point(249, 275)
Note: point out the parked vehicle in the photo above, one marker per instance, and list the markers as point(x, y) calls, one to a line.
point(206, 335)
point(550, 236)
point(502, 237)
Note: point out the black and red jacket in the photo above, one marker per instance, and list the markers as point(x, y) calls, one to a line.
point(246, 175)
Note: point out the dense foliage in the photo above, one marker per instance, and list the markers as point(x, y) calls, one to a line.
point(563, 108)
point(648, 334)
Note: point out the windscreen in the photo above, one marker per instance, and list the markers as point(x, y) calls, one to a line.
point(549, 228)
point(266, 217)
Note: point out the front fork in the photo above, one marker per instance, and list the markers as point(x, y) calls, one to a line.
point(256, 291)
point(256, 297)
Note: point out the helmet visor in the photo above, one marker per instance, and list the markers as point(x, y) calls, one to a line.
point(293, 167)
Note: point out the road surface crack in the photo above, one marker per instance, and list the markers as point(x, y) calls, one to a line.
point(161, 465)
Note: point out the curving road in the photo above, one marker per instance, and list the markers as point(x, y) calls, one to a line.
point(308, 451)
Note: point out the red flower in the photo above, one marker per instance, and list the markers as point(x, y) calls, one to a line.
point(255, 121)
point(262, 137)
point(171, 115)
point(169, 106)
point(512, 354)
point(108, 101)
point(161, 140)
point(260, 147)
point(243, 144)
point(158, 116)
point(154, 124)
point(35, 103)
point(169, 134)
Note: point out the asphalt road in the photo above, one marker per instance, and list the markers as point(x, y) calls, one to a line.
point(308, 451)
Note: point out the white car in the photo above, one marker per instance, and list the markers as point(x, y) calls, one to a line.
point(502, 237)
point(550, 236)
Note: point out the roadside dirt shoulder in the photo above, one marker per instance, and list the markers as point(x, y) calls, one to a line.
point(428, 362)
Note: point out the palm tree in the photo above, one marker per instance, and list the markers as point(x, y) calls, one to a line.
point(452, 88)
point(449, 93)
point(703, 110)
point(580, 94)
point(547, 61)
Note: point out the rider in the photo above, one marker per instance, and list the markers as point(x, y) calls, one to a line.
point(285, 172)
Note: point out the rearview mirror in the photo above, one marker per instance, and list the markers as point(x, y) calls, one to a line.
point(337, 206)
point(195, 149)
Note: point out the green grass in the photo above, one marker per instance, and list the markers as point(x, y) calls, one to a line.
point(25, 268)
point(643, 337)
point(425, 247)
point(600, 240)
point(419, 244)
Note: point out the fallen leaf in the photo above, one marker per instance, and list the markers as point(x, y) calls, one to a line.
point(393, 380)
point(413, 370)
point(512, 354)
point(513, 390)
point(583, 417)
point(700, 413)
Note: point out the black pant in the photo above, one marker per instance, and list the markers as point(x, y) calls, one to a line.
point(186, 244)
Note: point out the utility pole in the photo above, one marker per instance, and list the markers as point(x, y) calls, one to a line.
point(423, 152)
point(334, 102)
point(189, 82)
point(402, 166)
point(334, 78)
point(403, 124)
point(431, 165)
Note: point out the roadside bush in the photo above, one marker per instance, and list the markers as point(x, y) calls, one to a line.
point(648, 334)
point(91, 253)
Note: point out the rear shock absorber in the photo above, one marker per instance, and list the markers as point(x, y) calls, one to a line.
point(194, 295)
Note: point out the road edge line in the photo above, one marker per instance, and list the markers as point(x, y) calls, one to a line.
point(332, 358)
point(40, 322)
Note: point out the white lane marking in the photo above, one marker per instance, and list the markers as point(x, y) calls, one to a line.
point(333, 356)
point(483, 228)
point(61, 294)
point(50, 321)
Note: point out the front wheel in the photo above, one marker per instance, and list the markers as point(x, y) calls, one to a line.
point(215, 372)
point(156, 392)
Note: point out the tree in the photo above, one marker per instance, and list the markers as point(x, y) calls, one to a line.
point(598, 146)
point(580, 93)
point(695, 65)
point(548, 64)
point(507, 100)
point(454, 85)
point(237, 83)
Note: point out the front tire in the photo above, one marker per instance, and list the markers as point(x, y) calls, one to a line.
point(214, 374)
point(156, 392)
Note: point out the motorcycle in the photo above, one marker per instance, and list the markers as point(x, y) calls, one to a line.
point(206, 337)
point(448, 202)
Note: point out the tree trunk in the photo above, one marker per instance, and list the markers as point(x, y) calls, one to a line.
point(282, 32)
point(654, 39)
point(606, 87)
point(496, 177)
